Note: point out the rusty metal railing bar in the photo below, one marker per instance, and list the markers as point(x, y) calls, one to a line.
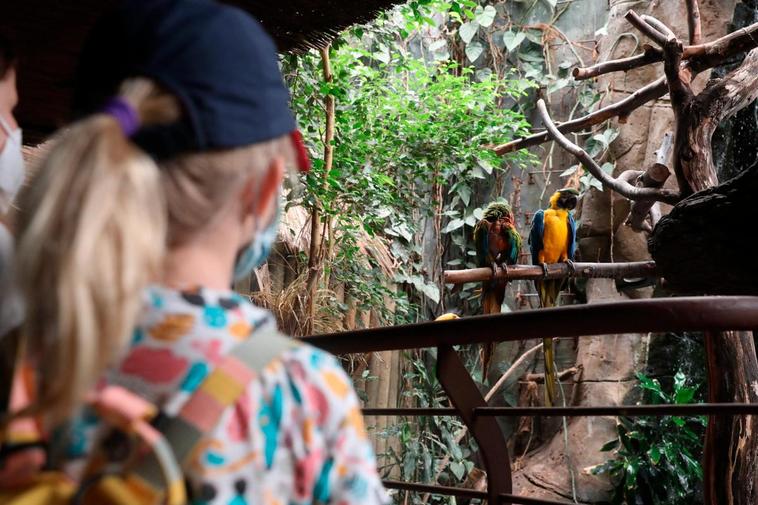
point(466, 493)
point(697, 409)
point(635, 316)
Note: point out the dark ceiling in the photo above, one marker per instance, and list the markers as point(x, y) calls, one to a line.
point(49, 34)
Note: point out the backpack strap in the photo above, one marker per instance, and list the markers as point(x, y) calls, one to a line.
point(220, 390)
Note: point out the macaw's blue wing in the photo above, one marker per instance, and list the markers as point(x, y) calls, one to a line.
point(535, 236)
point(571, 237)
point(482, 242)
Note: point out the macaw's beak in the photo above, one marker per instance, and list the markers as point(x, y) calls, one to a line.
point(568, 201)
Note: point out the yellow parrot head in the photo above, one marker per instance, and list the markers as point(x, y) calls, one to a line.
point(448, 317)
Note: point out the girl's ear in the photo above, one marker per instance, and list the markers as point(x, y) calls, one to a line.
point(260, 192)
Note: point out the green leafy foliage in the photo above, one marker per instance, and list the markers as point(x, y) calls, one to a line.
point(426, 441)
point(657, 459)
point(403, 127)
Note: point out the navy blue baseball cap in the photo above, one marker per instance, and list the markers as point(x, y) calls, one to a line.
point(216, 59)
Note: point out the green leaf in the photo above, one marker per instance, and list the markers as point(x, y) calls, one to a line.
point(465, 194)
point(531, 56)
point(468, 30)
point(458, 469)
point(485, 16)
point(609, 446)
point(438, 44)
point(558, 85)
point(432, 291)
point(654, 454)
point(679, 380)
point(453, 225)
point(513, 39)
point(569, 170)
point(474, 50)
point(486, 165)
point(608, 168)
point(684, 395)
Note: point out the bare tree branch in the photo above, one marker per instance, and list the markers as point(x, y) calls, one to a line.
point(651, 55)
point(620, 186)
point(704, 56)
point(554, 271)
point(659, 26)
point(693, 21)
point(678, 79)
point(654, 177)
point(646, 28)
point(652, 91)
point(699, 58)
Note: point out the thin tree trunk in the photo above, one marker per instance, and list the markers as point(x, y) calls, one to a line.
point(315, 258)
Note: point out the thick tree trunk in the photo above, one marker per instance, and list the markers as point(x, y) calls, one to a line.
point(711, 225)
point(731, 447)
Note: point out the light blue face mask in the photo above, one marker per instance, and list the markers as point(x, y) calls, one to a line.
point(256, 252)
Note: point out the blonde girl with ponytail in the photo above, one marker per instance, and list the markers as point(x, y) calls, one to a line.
point(131, 233)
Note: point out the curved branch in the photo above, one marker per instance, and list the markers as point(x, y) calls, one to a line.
point(621, 187)
point(659, 26)
point(652, 91)
point(645, 28)
point(693, 21)
point(699, 58)
point(651, 55)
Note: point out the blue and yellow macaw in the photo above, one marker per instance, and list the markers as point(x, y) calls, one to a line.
point(498, 243)
point(552, 240)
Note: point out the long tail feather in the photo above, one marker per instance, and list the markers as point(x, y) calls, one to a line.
point(492, 300)
point(550, 372)
point(549, 291)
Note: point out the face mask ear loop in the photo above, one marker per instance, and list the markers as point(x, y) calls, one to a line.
point(6, 127)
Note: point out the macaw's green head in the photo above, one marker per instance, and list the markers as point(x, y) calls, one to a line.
point(565, 198)
point(497, 210)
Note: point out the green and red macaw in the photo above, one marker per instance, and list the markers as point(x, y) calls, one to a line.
point(552, 240)
point(498, 244)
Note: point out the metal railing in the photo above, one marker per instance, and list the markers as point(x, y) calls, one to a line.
point(709, 314)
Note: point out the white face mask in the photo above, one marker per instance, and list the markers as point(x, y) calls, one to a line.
point(11, 167)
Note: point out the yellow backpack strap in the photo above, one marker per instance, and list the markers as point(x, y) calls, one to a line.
point(202, 412)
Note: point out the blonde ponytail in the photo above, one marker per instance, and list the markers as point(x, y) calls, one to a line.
point(91, 235)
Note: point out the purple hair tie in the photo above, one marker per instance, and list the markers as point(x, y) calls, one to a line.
point(124, 113)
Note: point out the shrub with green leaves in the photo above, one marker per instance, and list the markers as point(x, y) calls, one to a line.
point(657, 459)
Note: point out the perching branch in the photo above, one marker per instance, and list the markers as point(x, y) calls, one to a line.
point(619, 185)
point(554, 271)
point(650, 55)
point(693, 21)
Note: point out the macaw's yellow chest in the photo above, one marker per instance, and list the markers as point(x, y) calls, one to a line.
point(555, 236)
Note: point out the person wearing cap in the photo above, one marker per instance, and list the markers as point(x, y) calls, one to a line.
point(134, 227)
